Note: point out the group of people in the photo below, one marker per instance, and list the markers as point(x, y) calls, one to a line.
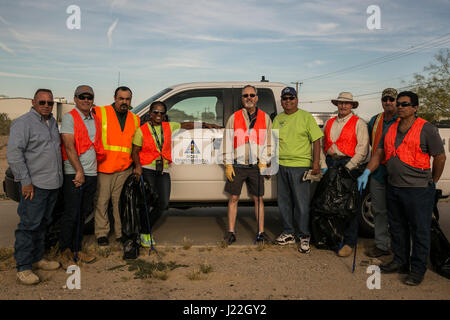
point(96, 148)
point(402, 181)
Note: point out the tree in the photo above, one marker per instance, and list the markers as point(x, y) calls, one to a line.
point(433, 88)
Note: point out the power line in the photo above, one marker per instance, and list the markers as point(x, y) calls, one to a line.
point(393, 56)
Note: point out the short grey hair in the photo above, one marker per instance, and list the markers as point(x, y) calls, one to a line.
point(250, 86)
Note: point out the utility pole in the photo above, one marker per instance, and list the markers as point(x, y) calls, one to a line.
point(297, 84)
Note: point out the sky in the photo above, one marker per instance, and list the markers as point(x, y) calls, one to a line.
point(156, 44)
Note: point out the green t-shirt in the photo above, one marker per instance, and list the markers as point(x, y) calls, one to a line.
point(139, 138)
point(296, 133)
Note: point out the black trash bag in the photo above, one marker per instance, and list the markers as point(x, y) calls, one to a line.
point(335, 202)
point(133, 214)
point(440, 247)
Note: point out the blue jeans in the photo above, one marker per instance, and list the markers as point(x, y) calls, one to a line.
point(351, 232)
point(293, 199)
point(161, 184)
point(78, 204)
point(35, 215)
point(378, 193)
point(409, 212)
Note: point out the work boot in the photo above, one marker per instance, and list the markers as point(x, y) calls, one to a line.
point(393, 267)
point(47, 265)
point(66, 259)
point(27, 277)
point(85, 257)
point(376, 252)
point(345, 251)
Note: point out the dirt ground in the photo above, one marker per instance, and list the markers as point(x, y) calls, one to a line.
point(219, 272)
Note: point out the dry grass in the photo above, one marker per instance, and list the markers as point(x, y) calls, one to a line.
point(205, 267)
point(7, 261)
point(195, 274)
point(187, 243)
point(222, 244)
point(157, 270)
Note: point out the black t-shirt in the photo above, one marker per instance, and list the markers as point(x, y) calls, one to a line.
point(401, 174)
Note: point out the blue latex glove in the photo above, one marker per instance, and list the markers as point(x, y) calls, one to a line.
point(324, 170)
point(362, 179)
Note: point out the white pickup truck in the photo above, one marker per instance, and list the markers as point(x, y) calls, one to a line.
point(195, 184)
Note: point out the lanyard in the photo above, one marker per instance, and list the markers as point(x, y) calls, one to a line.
point(160, 144)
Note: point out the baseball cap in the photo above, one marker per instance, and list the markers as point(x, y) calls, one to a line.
point(83, 89)
point(389, 92)
point(289, 90)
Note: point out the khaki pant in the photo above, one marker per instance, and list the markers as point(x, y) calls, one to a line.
point(109, 186)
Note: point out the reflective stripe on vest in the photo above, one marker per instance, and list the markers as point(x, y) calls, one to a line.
point(347, 140)
point(106, 146)
point(81, 135)
point(149, 151)
point(117, 143)
point(257, 134)
point(409, 150)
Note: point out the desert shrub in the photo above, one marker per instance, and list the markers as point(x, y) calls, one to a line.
point(5, 123)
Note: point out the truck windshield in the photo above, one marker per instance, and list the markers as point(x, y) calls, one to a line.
point(147, 102)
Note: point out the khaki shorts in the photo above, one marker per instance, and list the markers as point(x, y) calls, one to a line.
point(250, 176)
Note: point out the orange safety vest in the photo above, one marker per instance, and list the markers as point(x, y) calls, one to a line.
point(117, 143)
point(257, 134)
point(81, 135)
point(347, 140)
point(377, 132)
point(149, 151)
point(409, 150)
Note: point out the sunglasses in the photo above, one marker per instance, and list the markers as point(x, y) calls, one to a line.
point(288, 98)
point(158, 112)
point(404, 104)
point(85, 96)
point(251, 95)
point(49, 103)
point(388, 98)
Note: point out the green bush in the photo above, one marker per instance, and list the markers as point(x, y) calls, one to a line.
point(5, 123)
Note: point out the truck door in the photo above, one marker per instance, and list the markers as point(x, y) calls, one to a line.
point(195, 173)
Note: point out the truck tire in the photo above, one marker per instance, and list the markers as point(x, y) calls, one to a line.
point(366, 218)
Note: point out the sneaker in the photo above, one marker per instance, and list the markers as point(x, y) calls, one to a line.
point(304, 245)
point(230, 237)
point(44, 264)
point(345, 251)
point(27, 277)
point(413, 279)
point(262, 237)
point(284, 239)
point(147, 240)
point(103, 241)
point(85, 257)
point(66, 259)
point(376, 252)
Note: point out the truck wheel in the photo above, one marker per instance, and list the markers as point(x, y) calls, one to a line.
point(366, 218)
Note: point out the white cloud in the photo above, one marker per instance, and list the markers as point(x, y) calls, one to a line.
point(7, 49)
point(27, 76)
point(110, 31)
